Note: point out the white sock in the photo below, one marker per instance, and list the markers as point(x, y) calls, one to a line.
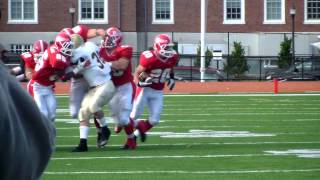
point(136, 133)
point(84, 132)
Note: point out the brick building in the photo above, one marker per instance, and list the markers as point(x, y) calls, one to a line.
point(259, 25)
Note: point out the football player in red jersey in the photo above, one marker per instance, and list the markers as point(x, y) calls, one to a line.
point(31, 58)
point(47, 70)
point(119, 56)
point(158, 65)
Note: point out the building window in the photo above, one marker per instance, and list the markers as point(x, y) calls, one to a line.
point(23, 11)
point(312, 11)
point(93, 11)
point(20, 48)
point(234, 12)
point(274, 11)
point(162, 12)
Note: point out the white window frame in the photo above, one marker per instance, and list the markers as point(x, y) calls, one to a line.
point(92, 20)
point(234, 21)
point(22, 21)
point(157, 21)
point(280, 21)
point(306, 20)
point(14, 49)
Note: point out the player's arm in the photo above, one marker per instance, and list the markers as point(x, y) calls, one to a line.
point(138, 73)
point(95, 32)
point(141, 77)
point(171, 81)
point(120, 64)
point(28, 72)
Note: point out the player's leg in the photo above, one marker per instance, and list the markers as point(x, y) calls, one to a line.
point(155, 101)
point(78, 88)
point(30, 87)
point(114, 109)
point(84, 117)
point(40, 100)
point(139, 103)
point(155, 105)
point(127, 92)
point(102, 96)
point(52, 106)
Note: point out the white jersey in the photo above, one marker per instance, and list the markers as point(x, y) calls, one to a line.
point(96, 72)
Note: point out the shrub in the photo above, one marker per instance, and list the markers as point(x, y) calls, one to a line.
point(236, 64)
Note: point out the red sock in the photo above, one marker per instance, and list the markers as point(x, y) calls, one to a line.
point(129, 128)
point(144, 126)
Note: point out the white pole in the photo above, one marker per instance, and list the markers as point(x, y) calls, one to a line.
point(202, 39)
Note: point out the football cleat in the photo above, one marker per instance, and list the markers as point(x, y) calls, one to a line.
point(130, 144)
point(143, 137)
point(98, 138)
point(82, 147)
point(142, 130)
point(105, 134)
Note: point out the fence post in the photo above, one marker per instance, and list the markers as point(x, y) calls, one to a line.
point(275, 85)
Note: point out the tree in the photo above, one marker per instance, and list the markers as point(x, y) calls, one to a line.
point(208, 57)
point(236, 63)
point(285, 55)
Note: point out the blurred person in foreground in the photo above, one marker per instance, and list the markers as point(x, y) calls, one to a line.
point(27, 136)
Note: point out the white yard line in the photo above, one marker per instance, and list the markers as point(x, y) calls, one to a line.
point(162, 157)
point(185, 172)
point(198, 144)
point(212, 95)
point(209, 120)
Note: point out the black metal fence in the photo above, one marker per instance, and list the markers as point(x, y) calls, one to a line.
point(262, 68)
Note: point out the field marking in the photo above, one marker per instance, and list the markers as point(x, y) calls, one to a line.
point(227, 95)
point(62, 110)
point(163, 156)
point(202, 120)
point(168, 133)
point(194, 133)
point(236, 120)
point(184, 172)
point(304, 153)
point(199, 144)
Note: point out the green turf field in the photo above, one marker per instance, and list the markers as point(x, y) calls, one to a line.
point(203, 137)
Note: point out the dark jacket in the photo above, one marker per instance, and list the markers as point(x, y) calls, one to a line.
point(27, 137)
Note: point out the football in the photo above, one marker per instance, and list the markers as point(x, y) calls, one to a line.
point(143, 76)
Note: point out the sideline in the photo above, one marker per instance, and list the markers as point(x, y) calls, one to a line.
point(222, 95)
point(185, 172)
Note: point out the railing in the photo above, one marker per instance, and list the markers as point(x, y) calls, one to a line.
point(305, 67)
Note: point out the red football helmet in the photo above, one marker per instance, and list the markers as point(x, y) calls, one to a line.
point(113, 38)
point(38, 49)
point(67, 31)
point(40, 46)
point(82, 31)
point(64, 44)
point(163, 47)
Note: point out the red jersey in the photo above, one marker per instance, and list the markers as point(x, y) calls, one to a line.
point(28, 59)
point(119, 77)
point(158, 69)
point(51, 60)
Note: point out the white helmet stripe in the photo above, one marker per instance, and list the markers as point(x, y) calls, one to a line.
point(41, 45)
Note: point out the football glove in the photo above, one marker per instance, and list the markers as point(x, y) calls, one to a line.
point(146, 82)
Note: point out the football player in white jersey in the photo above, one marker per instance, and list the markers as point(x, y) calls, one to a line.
point(97, 73)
